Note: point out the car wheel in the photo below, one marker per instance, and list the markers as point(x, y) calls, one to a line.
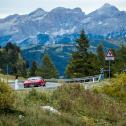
point(25, 86)
point(36, 85)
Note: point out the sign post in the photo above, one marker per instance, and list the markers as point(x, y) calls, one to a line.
point(109, 57)
point(102, 74)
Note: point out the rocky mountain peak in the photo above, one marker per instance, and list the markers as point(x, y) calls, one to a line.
point(108, 7)
point(38, 12)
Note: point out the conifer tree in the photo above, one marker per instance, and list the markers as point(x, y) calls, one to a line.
point(33, 69)
point(119, 64)
point(101, 55)
point(24, 70)
point(48, 68)
point(82, 63)
point(10, 56)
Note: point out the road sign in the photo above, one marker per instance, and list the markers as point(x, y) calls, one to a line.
point(109, 55)
point(109, 58)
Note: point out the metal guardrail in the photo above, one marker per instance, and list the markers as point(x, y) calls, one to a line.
point(13, 82)
point(88, 79)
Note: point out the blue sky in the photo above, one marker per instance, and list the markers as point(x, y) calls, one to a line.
point(9, 7)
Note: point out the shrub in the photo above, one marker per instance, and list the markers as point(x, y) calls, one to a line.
point(6, 97)
point(63, 98)
point(35, 96)
point(76, 100)
point(117, 88)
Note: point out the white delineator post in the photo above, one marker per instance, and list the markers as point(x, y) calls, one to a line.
point(93, 79)
point(16, 84)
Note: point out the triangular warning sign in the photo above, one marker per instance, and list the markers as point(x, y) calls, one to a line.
point(110, 53)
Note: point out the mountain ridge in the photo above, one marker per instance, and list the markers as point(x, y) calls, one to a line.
point(104, 21)
point(63, 18)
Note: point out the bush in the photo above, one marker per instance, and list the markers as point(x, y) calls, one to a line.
point(117, 88)
point(63, 98)
point(38, 97)
point(6, 97)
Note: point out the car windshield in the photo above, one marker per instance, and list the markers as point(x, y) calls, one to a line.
point(34, 78)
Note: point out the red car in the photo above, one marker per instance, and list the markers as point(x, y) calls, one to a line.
point(34, 82)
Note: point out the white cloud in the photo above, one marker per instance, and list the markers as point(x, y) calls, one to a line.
point(8, 7)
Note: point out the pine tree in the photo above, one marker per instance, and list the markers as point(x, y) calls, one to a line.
point(48, 68)
point(10, 56)
point(82, 62)
point(120, 60)
point(121, 54)
point(21, 66)
point(101, 55)
point(24, 70)
point(33, 69)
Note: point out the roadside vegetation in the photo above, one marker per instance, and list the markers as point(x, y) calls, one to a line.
point(115, 89)
point(99, 106)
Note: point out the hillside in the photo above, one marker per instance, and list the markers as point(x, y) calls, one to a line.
point(74, 105)
point(59, 53)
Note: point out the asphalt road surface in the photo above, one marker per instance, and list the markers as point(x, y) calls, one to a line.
point(49, 85)
point(53, 85)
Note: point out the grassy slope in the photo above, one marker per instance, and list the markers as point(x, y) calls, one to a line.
point(101, 106)
point(7, 78)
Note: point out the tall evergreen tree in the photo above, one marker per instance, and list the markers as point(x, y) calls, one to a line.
point(82, 63)
point(24, 70)
point(48, 68)
point(10, 57)
point(101, 55)
point(33, 69)
point(120, 60)
point(21, 66)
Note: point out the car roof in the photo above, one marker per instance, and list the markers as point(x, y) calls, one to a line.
point(34, 78)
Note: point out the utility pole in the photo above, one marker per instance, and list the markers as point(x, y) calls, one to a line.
point(109, 69)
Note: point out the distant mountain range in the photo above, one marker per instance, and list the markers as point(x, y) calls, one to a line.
point(60, 27)
point(45, 27)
